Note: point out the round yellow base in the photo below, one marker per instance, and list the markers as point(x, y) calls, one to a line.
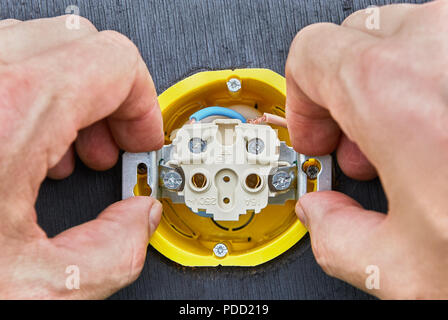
point(187, 238)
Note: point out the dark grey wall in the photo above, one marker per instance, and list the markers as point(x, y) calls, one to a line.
point(177, 39)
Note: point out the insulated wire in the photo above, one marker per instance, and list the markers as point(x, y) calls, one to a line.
point(217, 111)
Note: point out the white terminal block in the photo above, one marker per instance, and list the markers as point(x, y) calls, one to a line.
point(225, 168)
point(226, 165)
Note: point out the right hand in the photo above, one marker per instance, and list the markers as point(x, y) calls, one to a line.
point(380, 99)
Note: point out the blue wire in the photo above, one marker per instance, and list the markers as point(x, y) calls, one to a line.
point(217, 111)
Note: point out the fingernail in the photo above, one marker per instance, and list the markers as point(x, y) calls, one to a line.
point(301, 214)
point(154, 215)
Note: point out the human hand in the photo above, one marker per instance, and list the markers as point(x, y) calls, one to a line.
point(62, 90)
point(385, 90)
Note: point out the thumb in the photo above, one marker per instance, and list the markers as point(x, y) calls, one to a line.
point(344, 237)
point(110, 251)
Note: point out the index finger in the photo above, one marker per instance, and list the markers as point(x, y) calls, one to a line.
point(92, 78)
point(316, 93)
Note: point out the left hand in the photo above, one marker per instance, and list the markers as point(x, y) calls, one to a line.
point(63, 90)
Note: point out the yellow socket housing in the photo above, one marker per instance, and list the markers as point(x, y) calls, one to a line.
point(188, 238)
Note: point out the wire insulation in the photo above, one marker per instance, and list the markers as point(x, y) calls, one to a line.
point(217, 111)
point(270, 119)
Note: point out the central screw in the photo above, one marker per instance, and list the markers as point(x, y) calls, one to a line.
point(197, 145)
point(220, 250)
point(255, 146)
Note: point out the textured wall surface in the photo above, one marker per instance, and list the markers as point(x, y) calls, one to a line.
point(177, 39)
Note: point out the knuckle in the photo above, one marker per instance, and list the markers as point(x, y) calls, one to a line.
point(308, 32)
point(87, 25)
point(300, 44)
point(122, 48)
point(119, 40)
point(313, 29)
point(356, 18)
